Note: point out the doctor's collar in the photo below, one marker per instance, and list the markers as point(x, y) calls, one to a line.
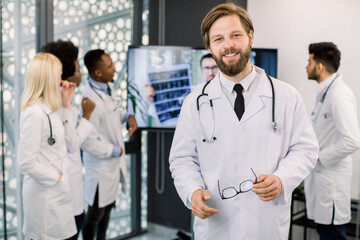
point(98, 85)
point(245, 82)
point(324, 84)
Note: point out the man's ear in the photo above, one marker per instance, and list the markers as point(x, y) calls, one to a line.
point(98, 73)
point(319, 67)
point(251, 37)
point(209, 49)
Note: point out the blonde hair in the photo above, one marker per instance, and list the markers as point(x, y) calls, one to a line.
point(221, 10)
point(43, 81)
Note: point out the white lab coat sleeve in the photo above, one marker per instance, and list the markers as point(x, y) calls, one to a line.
point(94, 144)
point(301, 153)
point(28, 161)
point(69, 122)
point(343, 110)
point(97, 146)
point(83, 130)
point(183, 159)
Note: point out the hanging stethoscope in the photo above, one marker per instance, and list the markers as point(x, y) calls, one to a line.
point(212, 137)
point(317, 109)
point(111, 105)
point(51, 141)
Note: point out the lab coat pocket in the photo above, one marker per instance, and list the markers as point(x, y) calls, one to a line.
point(61, 191)
point(230, 223)
point(60, 219)
point(276, 141)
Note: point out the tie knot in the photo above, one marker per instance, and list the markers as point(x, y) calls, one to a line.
point(238, 88)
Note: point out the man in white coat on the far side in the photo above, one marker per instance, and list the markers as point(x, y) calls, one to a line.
point(328, 187)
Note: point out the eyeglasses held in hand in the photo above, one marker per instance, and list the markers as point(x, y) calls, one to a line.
point(231, 192)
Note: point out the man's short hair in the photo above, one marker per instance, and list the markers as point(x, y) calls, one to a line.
point(221, 10)
point(92, 58)
point(67, 52)
point(209, 55)
point(327, 53)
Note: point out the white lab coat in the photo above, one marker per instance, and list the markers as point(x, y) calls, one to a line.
point(337, 131)
point(46, 201)
point(289, 153)
point(77, 137)
point(100, 168)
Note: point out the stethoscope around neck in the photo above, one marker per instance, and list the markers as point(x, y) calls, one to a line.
point(96, 89)
point(321, 102)
point(212, 137)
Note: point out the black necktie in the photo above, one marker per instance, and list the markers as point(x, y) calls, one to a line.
point(108, 90)
point(239, 105)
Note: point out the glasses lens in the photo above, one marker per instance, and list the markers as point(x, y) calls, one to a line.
point(229, 192)
point(246, 186)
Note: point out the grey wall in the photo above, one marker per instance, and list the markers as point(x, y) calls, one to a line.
point(180, 21)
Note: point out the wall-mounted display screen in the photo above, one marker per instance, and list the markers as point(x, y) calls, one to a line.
point(160, 77)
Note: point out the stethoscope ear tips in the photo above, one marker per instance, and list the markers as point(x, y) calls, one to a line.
point(51, 141)
point(214, 138)
point(204, 140)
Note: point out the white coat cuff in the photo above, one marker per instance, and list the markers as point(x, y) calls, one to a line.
point(193, 189)
point(84, 128)
point(284, 196)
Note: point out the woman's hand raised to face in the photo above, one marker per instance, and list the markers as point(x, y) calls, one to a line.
point(67, 93)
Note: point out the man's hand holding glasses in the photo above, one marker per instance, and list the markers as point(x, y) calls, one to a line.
point(268, 187)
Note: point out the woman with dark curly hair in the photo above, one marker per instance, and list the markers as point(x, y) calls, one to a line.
point(67, 52)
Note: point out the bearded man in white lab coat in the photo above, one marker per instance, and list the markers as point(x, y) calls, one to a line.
point(102, 174)
point(239, 151)
point(335, 122)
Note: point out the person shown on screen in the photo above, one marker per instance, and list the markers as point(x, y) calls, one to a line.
point(45, 121)
point(234, 163)
point(208, 67)
point(102, 174)
point(67, 53)
point(328, 187)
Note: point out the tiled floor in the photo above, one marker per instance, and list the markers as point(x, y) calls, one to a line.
point(150, 236)
point(158, 232)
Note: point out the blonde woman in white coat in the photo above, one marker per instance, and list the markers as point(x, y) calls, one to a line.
point(42, 154)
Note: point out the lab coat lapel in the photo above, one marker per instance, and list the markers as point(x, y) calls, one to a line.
point(215, 90)
point(256, 102)
point(221, 102)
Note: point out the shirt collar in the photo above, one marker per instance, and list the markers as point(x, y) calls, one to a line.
point(99, 85)
point(245, 82)
point(324, 84)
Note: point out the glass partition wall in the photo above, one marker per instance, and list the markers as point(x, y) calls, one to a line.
point(89, 24)
point(18, 48)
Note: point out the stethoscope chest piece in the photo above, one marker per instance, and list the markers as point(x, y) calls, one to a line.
point(51, 141)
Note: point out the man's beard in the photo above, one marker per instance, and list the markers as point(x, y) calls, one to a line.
point(233, 68)
point(313, 76)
